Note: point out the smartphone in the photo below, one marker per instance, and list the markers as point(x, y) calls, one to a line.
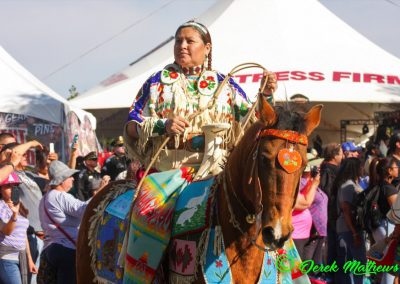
point(51, 147)
point(15, 195)
point(74, 140)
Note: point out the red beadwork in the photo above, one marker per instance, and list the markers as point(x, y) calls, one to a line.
point(288, 135)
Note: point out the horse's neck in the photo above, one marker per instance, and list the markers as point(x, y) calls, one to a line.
point(243, 257)
point(231, 215)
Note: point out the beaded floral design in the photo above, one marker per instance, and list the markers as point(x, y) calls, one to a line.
point(208, 83)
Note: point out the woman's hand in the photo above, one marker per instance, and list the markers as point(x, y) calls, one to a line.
point(176, 125)
point(34, 144)
point(74, 149)
point(104, 181)
point(271, 85)
point(15, 158)
point(32, 267)
point(52, 156)
point(14, 208)
point(316, 179)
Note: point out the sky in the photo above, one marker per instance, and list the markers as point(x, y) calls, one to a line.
point(83, 42)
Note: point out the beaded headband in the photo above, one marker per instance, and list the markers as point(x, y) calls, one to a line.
point(195, 25)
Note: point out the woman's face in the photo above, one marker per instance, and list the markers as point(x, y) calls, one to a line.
point(6, 192)
point(339, 156)
point(24, 160)
point(67, 184)
point(394, 170)
point(189, 48)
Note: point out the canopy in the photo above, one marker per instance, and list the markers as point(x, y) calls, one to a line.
point(30, 108)
point(313, 52)
point(23, 93)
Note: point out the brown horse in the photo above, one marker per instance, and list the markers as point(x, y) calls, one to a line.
point(259, 187)
point(256, 195)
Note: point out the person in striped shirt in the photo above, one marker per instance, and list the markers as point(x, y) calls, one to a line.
point(13, 237)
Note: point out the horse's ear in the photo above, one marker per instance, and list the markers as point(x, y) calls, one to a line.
point(313, 118)
point(268, 115)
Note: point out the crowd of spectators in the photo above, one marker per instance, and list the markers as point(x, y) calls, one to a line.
point(326, 229)
point(41, 207)
point(39, 227)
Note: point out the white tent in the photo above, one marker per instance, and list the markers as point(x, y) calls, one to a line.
point(25, 100)
point(23, 93)
point(313, 52)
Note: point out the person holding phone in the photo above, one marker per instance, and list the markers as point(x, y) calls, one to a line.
point(30, 194)
point(302, 218)
point(13, 237)
point(60, 216)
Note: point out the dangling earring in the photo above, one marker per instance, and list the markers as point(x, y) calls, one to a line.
point(206, 61)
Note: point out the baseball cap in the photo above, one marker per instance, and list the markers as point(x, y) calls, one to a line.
point(91, 156)
point(11, 179)
point(118, 141)
point(350, 147)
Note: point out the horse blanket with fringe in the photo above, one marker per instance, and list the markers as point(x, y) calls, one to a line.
point(109, 239)
point(169, 207)
point(196, 241)
point(150, 227)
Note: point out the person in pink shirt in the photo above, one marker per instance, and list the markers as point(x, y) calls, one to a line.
point(301, 217)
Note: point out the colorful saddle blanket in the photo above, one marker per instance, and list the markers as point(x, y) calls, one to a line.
point(192, 239)
point(150, 227)
point(110, 237)
point(171, 210)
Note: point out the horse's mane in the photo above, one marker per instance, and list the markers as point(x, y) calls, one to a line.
point(289, 119)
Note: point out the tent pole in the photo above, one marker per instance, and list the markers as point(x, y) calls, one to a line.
point(64, 126)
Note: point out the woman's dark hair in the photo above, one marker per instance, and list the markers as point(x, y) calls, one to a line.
point(350, 169)
point(379, 170)
point(205, 36)
point(330, 151)
point(41, 157)
point(392, 143)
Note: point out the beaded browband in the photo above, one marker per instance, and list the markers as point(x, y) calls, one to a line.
point(289, 135)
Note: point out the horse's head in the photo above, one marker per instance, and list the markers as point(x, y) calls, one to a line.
point(266, 167)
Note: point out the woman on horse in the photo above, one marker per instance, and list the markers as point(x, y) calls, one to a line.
point(179, 100)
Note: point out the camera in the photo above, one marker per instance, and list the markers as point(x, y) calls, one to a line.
point(314, 171)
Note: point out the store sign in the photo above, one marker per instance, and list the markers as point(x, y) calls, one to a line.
point(335, 76)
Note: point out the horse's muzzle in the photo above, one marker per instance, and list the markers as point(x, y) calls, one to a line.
point(271, 241)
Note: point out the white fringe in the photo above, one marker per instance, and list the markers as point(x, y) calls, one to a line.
point(97, 219)
point(147, 128)
point(175, 278)
point(218, 239)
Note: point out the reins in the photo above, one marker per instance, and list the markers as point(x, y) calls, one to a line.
point(290, 137)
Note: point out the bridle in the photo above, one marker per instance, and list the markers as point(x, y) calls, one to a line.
point(293, 138)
